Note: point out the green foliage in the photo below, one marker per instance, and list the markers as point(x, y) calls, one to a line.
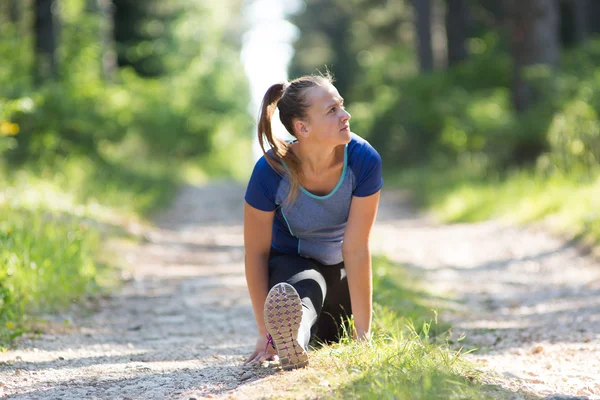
point(573, 134)
point(574, 137)
point(174, 117)
point(448, 117)
point(143, 32)
point(44, 264)
point(464, 118)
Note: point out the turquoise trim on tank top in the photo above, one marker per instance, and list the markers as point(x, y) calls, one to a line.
point(286, 221)
point(335, 189)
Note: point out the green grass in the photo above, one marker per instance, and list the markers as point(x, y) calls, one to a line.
point(54, 220)
point(568, 203)
point(44, 264)
point(411, 354)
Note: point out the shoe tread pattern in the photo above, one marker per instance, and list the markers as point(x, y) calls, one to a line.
point(283, 315)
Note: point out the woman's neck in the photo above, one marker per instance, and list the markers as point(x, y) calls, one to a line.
point(317, 160)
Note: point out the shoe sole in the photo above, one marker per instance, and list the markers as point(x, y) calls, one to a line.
point(283, 315)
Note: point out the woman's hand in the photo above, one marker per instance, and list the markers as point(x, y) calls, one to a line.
point(362, 335)
point(259, 355)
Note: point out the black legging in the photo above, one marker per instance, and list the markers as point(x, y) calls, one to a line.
point(323, 290)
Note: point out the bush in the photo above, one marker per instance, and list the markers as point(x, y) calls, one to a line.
point(44, 264)
point(463, 117)
point(574, 137)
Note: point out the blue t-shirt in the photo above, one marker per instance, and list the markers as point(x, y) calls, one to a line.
point(313, 226)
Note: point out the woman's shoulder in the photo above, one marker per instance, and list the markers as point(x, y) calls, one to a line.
point(360, 150)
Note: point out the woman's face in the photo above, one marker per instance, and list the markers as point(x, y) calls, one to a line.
point(328, 121)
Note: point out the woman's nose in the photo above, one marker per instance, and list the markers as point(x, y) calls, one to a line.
point(346, 116)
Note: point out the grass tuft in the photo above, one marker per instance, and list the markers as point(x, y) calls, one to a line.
point(408, 356)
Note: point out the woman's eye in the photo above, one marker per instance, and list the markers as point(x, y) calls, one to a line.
point(332, 110)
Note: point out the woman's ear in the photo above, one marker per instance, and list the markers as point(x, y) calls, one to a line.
point(301, 128)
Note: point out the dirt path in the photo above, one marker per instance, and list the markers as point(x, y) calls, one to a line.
point(180, 327)
point(529, 302)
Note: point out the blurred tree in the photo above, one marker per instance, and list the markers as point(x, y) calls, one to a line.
point(106, 9)
point(486, 16)
point(9, 11)
point(573, 21)
point(327, 42)
point(13, 11)
point(422, 9)
point(457, 30)
point(534, 40)
point(496, 10)
point(5, 12)
point(579, 9)
point(143, 33)
point(593, 16)
point(356, 40)
point(45, 40)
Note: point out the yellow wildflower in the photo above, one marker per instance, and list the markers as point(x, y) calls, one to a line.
point(9, 128)
point(10, 325)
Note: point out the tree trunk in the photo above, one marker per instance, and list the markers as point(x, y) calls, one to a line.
point(422, 10)
point(106, 11)
point(109, 54)
point(593, 16)
point(534, 40)
point(45, 41)
point(496, 9)
point(579, 8)
point(457, 30)
point(7, 12)
point(13, 12)
point(573, 22)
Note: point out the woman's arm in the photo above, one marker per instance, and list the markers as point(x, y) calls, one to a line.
point(258, 226)
point(357, 260)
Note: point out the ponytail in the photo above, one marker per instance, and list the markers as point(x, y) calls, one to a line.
point(281, 150)
point(265, 132)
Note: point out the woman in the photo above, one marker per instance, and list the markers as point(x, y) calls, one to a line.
point(310, 206)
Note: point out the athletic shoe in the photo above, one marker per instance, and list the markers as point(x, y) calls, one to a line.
point(283, 315)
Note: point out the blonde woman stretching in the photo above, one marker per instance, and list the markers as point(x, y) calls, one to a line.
point(310, 206)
